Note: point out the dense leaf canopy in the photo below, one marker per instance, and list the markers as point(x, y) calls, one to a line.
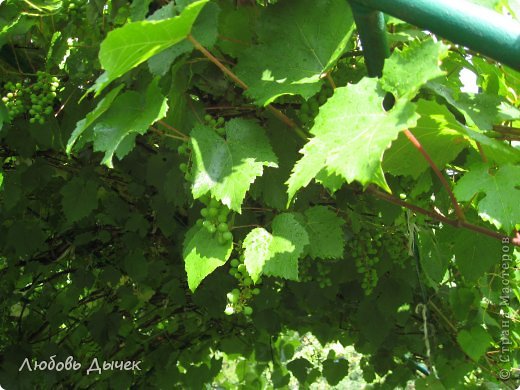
point(199, 193)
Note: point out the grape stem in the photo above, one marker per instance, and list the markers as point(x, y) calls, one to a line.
point(415, 142)
point(439, 217)
point(280, 115)
point(174, 130)
point(162, 133)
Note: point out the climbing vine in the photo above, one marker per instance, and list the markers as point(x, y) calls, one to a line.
point(190, 191)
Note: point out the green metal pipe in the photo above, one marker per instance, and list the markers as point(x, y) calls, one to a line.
point(372, 33)
point(461, 22)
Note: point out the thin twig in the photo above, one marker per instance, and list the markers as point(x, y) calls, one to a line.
point(162, 133)
point(481, 151)
point(506, 129)
point(331, 81)
point(439, 217)
point(415, 142)
point(280, 115)
point(173, 129)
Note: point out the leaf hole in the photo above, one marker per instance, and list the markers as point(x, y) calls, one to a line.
point(388, 101)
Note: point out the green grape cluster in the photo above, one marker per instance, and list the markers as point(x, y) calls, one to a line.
point(185, 150)
point(305, 270)
point(215, 218)
point(42, 96)
point(75, 8)
point(365, 249)
point(310, 108)
point(323, 277)
point(14, 99)
point(217, 124)
point(238, 298)
point(36, 99)
point(396, 247)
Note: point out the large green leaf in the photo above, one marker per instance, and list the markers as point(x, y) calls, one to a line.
point(204, 31)
point(275, 254)
point(295, 48)
point(326, 237)
point(474, 342)
point(501, 187)
point(85, 123)
point(334, 370)
point(474, 254)
point(437, 132)
point(352, 131)
point(79, 198)
point(481, 110)
point(227, 167)
point(131, 113)
point(409, 69)
point(134, 43)
point(203, 254)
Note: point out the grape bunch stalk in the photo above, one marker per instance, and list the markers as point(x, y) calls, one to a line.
point(238, 298)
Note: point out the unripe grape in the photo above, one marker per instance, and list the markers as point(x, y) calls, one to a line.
point(229, 310)
point(233, 298)
point(234, 263)
point(228, 236)
point(223, 227)
point(212, 212)
point(256, 291)
point(248, 310)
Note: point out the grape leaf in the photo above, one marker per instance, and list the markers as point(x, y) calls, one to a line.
point(481, 110)
point(334, 370)
point(226, 168)
point(474, 342)
point(79, 198)
point(433, 255)
point(85, 123)
point(438, 132)
point(352, 131)
point(474, 254)
point(296, 47)
point(126, 47)
point(501, 187)
point(275, 254)
point(203, 254)
point(130, 114)
point(494, 150)
point(326, 238)
point(204, 30)
point(236, 26)
point(409, 69)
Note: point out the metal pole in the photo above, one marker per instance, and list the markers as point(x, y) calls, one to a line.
point(461, 22)
point(372, 33)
